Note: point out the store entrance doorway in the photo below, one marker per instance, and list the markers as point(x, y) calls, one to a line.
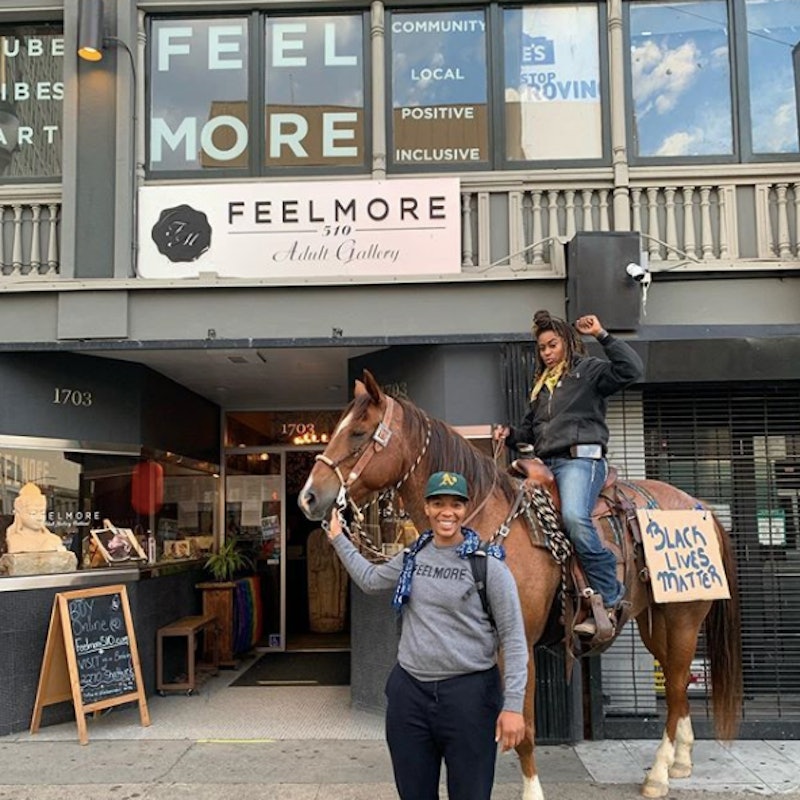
point(316, 584)
point(317, 591)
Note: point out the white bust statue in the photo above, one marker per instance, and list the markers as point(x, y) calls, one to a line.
point(27, 533)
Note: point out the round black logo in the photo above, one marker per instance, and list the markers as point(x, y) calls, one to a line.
point(182, 233)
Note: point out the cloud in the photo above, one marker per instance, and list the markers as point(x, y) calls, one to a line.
point(776, 133)
point(661, 75)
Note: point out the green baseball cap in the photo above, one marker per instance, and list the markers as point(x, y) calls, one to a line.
point(451, 483)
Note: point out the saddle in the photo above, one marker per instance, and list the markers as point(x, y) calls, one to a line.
point(614, 518)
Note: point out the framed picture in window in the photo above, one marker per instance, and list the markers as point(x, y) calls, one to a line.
point(117, 545)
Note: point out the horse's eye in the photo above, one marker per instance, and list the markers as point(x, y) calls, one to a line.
point(357, 434)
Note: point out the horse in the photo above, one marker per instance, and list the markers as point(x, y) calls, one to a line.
point(382, 442)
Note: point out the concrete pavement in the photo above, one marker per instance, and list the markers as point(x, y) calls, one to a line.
point(308, 743)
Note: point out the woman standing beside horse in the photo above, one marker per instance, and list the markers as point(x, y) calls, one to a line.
point(444, 695)
point(567, 427)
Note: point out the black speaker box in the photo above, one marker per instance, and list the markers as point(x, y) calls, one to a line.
point(597, 282)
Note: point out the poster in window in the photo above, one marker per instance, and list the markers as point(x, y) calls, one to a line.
point(439, 89)
point(552, 83)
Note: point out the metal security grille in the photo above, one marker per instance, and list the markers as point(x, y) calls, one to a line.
point(736, 447)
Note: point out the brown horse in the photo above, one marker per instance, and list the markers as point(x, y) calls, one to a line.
point(382, 442)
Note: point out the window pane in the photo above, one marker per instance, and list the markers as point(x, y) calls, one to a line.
point(198, 94)
point(439, 93)
point(773, 29)
point(315, 91)
point(680, 71)
point(31, 95)
point(552, 83)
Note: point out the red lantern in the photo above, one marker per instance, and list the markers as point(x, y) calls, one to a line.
point(147, 487)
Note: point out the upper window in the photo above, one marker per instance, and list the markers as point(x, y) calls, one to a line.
point(31, 95)
point(690, 59)
point(199, 111)
point(680, 78)
point(773, 31)
point(552, 83)
point(314, 92)
point(208, 112)
point(439, 89)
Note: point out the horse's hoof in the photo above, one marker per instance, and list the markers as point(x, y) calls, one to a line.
point(654, 789)
point(680, 770)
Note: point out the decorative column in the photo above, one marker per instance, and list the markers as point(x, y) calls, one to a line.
point(619, 144)
point(377, 31)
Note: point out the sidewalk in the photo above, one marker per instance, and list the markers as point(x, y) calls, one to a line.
point(309, 744)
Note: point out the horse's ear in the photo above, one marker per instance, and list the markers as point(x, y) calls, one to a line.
point(371, 385)
point(359, 388)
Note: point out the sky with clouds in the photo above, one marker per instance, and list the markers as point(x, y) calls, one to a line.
point(681, 77)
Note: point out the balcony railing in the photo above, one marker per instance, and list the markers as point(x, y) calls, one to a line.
point(29, 232)
point(709, 219)
point(749, 217)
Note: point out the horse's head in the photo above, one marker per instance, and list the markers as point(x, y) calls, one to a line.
point(361, 456)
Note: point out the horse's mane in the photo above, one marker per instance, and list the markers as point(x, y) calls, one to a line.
point(448, 450)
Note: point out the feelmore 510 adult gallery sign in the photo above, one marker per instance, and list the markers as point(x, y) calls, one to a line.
point(315, 229)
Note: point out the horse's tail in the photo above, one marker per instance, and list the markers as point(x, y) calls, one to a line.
point(724, 648)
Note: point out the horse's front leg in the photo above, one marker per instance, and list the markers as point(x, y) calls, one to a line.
point(531, 787)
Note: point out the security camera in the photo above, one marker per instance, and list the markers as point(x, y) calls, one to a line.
point(637, 272)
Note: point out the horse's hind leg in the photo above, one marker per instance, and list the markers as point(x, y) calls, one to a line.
point(684, 741)
point(673, 642)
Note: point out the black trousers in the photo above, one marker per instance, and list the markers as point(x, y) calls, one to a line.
point(452, 720)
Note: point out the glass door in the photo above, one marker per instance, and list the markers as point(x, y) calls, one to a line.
point(254, 515)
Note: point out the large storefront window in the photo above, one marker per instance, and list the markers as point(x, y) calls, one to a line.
point(552, 83)
point(681, 79)
point(31, 100)
point(439, 89)
point(773, 30)
point(103, 507)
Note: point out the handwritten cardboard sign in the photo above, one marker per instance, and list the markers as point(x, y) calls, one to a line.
point(682, 553)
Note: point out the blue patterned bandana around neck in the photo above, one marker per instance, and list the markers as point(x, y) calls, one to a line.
point(471, 543)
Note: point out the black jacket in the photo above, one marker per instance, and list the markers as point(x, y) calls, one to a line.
point(576, 411)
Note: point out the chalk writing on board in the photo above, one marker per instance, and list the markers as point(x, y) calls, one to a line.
point(102, 647)
point(686, 565)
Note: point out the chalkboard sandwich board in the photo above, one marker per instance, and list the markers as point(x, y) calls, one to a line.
point(90, 656)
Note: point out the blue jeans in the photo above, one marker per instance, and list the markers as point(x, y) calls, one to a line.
point(579, 483)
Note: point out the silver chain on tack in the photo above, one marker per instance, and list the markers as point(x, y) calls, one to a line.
point(355, 532)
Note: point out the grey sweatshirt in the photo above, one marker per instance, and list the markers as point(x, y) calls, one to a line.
point(445, 631)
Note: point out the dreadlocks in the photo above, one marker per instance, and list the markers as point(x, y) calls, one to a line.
point(542, 321)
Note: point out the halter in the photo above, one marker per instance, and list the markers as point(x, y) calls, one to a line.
point(378, 441)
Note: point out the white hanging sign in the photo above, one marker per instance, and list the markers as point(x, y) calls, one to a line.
point(300, 229)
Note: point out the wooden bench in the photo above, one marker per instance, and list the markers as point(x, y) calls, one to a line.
point(188, 627)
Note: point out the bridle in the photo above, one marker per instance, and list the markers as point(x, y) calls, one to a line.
point(379, 441)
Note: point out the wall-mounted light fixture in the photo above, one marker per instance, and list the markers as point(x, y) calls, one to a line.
point(90, 30)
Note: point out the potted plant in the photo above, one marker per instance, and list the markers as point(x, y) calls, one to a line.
point(227, 561)
point(218, 597)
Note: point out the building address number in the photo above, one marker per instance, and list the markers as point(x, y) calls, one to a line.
point(72, 397)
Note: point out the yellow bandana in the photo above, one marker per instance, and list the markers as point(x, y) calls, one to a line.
point(549, 378)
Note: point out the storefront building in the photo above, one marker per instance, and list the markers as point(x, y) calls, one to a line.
point(231, 197)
